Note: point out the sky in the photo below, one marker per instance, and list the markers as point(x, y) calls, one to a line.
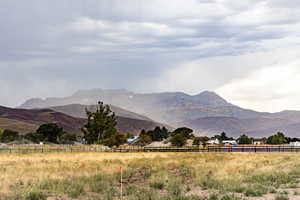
point(247, 51)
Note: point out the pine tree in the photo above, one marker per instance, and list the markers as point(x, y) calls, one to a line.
point(101, 124)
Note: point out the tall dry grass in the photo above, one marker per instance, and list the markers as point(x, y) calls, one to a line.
point(152, 174)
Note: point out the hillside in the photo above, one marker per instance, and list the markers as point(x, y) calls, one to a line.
point(40, 116)
point(27, 120)
point(20, 126)
point(206, 112)
point(165, 107)
point(78, 110)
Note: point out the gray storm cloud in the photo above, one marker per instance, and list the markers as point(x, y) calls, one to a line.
point(55, 47)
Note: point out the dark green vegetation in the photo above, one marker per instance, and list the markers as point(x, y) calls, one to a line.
point(100, 126)
point(200, 140)
point(8, 135)
point(157, 134)
point(278, 138)
point(244, 139)
point(178, 137)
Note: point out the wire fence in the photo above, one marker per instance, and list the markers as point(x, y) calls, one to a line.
point(87, 148)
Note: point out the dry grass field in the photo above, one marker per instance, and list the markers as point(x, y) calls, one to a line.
point(150, 176)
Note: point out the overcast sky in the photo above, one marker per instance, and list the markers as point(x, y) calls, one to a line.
point(245, 50)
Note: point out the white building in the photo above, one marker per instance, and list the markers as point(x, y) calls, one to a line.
point(229, 142)
point(294, 144)
point(213, 141)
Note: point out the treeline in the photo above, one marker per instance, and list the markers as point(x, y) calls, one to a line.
point(177, 137)
point(46, 133)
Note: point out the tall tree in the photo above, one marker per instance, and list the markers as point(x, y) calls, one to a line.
point(101, 124)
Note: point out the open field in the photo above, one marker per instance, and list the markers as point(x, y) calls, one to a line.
point(165, 176)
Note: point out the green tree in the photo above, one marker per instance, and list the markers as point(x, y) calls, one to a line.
point(223, 136)
point(68, 138)
point(244, 139)
point(101, 124)
point(50, 132)
point(200, 140)
point(34, 137)
point(178, 140)
point(197, 141)
point(9, 136)
point(115, 140)
point(157, 134)
point(278, 138)
point(184, 131)
point(143, 140)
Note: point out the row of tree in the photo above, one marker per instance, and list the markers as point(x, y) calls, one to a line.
point(48, 133)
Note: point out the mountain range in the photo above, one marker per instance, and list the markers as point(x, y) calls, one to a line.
point(28, 120)
point(207, 112)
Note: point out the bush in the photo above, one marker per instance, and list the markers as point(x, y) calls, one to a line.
point(35, 195)
point(178, 140)
point(68, 138)
point(281, 198)
point(144, 140)
point(256, 190)
point(9, 136)
point(184, 131)
point(115, 140)
point(157, 185)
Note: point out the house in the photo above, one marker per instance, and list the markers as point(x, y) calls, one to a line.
point(294, 144)
point(259, 141)
point(213, 141)
point(132, 140)
point(229, 142)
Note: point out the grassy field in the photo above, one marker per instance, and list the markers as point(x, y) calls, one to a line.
point(150, 176)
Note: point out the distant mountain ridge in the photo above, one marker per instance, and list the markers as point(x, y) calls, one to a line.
point(174, 108)
point(255, 127)
point(158, 106)
point(27, 120)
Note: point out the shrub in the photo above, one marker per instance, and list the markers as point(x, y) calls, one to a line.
point(157, 185)
point(256, 190)
point(178, 140)
point(281, 198)
point(9, 136)
point(35, 195)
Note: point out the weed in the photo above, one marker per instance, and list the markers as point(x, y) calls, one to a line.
point(157, 185)
point(281, 198)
